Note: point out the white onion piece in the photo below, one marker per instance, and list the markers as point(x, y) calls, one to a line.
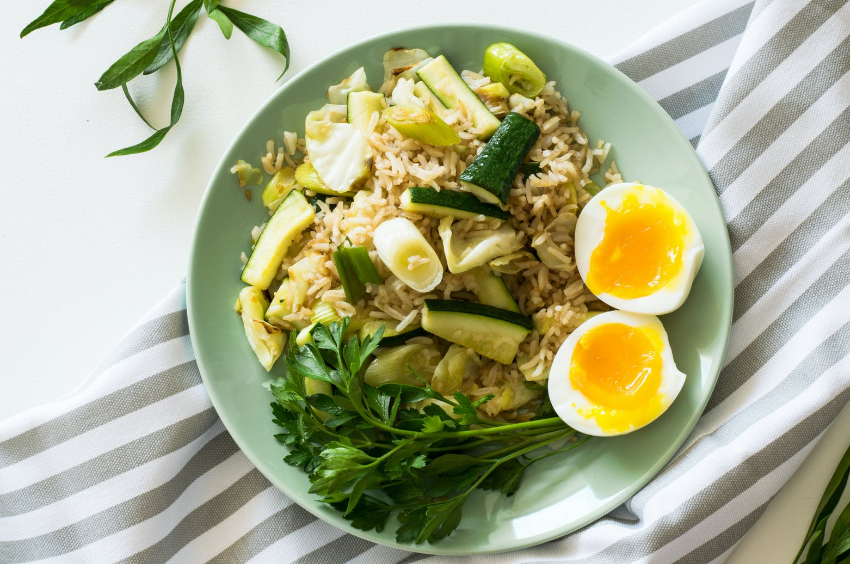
point(404, 249)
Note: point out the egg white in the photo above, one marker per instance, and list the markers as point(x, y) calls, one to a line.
point(573, 407)
point(590, 230)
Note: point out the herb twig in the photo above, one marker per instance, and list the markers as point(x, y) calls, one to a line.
point(152, 54)
point(375, 445)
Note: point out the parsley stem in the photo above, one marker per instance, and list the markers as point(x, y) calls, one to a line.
point(537, 441)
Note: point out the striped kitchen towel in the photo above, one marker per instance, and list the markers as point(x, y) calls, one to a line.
point(136, 467)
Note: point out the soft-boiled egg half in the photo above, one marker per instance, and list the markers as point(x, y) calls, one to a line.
point(637, 249)
point(614, 374)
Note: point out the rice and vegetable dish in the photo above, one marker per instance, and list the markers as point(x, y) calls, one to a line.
point(468, 252)
point(425, 277)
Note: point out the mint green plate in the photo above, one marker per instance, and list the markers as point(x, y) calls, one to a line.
point(561, 494)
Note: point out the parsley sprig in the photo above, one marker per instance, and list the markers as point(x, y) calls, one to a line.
point(369, 453)
point(152, 54)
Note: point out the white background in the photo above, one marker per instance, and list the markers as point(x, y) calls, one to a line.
point(89, 244)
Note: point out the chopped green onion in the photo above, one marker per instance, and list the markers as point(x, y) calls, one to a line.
point(324, 312)
point(422, 125)
point(359, 259)
point(530, 168)
point(353, 287)
point(506, 64)
point(279, 187)
point(592, 188)
point(355, 270)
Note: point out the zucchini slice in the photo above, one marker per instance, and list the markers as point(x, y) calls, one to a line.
point(491, 290)
point(361, 106)
point(492, 173)
point(443, 203)
point(447, 85)
point(292, 217)
point(490, 331)
point(392, 337)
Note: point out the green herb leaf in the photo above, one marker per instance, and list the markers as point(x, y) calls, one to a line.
point(211, 5)
point(378, 401)
point(432, 424)
point(431, 522)
point(176, 102)
point(830, 498)
point(839, 539)
point(592, 188)
point(132, 64)
point(505, 478)
point(340, 465)
point(261, 31)
point(134, 106)
point(325, 403)
point(370, 513)
point(181, 27)
point(85, 14)
point(224, 24)
point(58, 11)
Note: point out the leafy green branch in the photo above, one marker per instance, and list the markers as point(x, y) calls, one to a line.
point(836, 548)
point(371, 452)
point(152, 54)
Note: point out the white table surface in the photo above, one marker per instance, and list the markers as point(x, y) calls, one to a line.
point(89, 244)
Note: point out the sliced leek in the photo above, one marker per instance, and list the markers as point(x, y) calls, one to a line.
point(476, 247)
point(512, 263)
point(338, 93)
point(421, 124)
point(392, 366)
point(494, 91)
point(457, 364)
point(407, 254)
point(265, 339)
point(304, 336)
point(281, 303)
point(514, 69)
point(306, 176)
point(247, 174)
point(324, 312)
point(301, 276)
point(281, 184)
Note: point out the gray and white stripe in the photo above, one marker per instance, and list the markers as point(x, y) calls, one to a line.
point(762, 89)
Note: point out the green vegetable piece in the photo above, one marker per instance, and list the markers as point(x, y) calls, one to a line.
point(514, 69)
point(324, 312)
point(279, 187)
point(530, 168)
point(445, 202)
point(403, 365)
point(352, 286)
point(360, 261)
point(421, 124)
point(492, 173)
point(592, 188)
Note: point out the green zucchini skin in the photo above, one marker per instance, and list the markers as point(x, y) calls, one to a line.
point(492, 173)
point(472, 308)
point(402, 338)
point(443, 203)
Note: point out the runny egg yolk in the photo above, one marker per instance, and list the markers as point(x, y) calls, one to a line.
point(641, 248)
point(617, 367)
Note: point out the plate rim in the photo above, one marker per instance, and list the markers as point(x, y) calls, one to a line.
point(627, 493)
